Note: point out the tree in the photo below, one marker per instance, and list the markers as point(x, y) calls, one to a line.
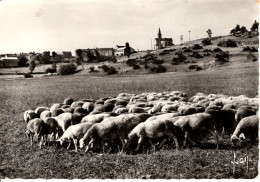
point(209, 32)
point(79, 59)
point(243, 29)
point(237, 28)
point(45, 57)
point(54, 54)
point(32, 65)
point(22, 60)
point(255, 26)
point(127, 49)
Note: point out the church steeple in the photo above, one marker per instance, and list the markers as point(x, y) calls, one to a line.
point(159, 34)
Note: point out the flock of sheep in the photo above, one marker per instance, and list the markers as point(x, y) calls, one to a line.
point(126, 120)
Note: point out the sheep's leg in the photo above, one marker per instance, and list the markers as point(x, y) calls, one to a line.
point(186, 136)
point(214, 133)
point(75, 143)
point(176, 142)
point(163, 142)
point(87, 147)
point(31, 139)
point(69, 144)
point(123, 145)
point(41, 141)
point(103, 146)
point(139, 142)
point(151, 143)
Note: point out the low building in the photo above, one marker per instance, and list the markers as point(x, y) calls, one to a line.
point(121, 50)
point(9, 60)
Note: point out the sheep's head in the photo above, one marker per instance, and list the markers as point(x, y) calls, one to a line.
point(61, 140)
point(235, 140)
point(81, 143)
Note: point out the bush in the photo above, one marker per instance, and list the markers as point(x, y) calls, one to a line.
point(196, 55)
point(228, 43)
point(206, 42)
point(111, 70)
point(146, 66)
point(197, 46)
point(131, 62)
point(22, 61)
point(217, 50)
point(135, 67)
point(104, 67)
point(195, 66)
point(179, 59)
point(92, 69)
point(158, 69)
point(50, 70)
point(222, 57)
point(187, 50)
point(66, 69)
point(27, 75)
point(253, 49)
point(158, 61)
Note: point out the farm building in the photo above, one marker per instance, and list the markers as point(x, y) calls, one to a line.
point(8, 61)
point(162, 42)
point(121, 50)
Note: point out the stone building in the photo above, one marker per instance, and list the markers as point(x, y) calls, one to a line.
point(162, 42)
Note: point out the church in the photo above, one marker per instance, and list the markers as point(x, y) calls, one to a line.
point(162, 42)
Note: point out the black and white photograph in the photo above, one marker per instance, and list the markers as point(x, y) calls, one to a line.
point(129, 89)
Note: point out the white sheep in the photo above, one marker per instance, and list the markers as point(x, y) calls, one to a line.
point(100, 133)
point(95, 118)
point(39, 110)
point(74, 132)
point(28, 115)
point(39, 128)
point(156, 128)
point(45, 114)
point(197, 123)
point(248, 127)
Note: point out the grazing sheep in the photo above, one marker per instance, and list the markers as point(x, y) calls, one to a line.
point(187, 110)
point(80, 110)
point(53, 127)
point(39, 128)
point(39, 110)
point(95, 118)
point(100, 133)
point(121, 110)
point(197, 123)
point(74, 132)
point(244, 111)
point(45, 114)
point(153, 129)
point(77, 104)
point(64, 120)
point(248, 126)
point(29, 115)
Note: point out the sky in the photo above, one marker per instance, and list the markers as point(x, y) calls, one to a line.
point(67, 25)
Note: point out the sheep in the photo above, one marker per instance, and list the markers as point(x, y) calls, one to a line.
point(64, 120)
point(244, 111)
point(45, 114)
point(89, 106)
point(100, 133)
point(77, 104)
point(39, 128)
point(56, 112)
point(53, 127)
point(197, 122)
point(95, 118)
point(74, 132)
point(121, 110)
point(29, 115)
point(248, 127)
point(136, 110)
point(39, 110)
point(153, 129)
point(187, 110)
point(68, 101)
point(55, 106)
point(81, 110)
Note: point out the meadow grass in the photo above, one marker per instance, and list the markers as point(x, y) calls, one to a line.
point(19, 160)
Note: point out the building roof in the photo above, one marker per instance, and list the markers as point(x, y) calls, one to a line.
point(159, 33)
point(164, 39)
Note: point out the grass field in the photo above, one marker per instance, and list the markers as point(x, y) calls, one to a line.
point(19, 160)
